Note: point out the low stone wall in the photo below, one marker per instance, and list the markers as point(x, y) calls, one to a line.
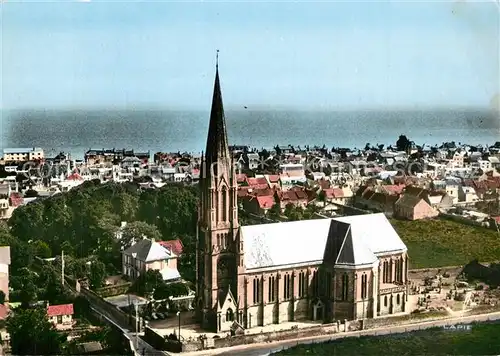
point(461, 220)
point(410, 318)
point(281, 335)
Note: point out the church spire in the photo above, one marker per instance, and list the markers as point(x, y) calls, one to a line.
point(217, 143)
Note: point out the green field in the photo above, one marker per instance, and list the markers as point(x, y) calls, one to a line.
point(440, 243)
point(482, 339)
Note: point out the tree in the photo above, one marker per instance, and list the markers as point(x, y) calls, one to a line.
point(41, 249)
point(31, 333)
point(97, 274)
point(165, 290)
point(138, 230)
point(27, 287)
point(49, 280)
point(147, 282)
point(403, 144)
point(2, 297)
point(30, 193)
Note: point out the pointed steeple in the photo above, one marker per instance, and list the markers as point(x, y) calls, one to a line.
point(217, 143)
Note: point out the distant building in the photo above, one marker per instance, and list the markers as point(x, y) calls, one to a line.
point(413, 208)
point(11, 155)
point(111, 155)
point(148, 254)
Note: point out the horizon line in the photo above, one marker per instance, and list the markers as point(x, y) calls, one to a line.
point(251, 108)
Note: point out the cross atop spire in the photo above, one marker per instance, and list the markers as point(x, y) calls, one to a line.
point(217, 143)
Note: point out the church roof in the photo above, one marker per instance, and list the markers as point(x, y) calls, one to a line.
point(353, 240)
point(375, 231)
point(353, 251)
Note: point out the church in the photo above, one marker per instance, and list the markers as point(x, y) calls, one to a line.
point(352, 267)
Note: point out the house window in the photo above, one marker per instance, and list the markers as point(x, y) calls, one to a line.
point(364, 286)
point(385, 301)
point(398, 299)
point(229, 315)
point(287, 287)
point(256, 290)
point(390, 271)
point(302, 284)
point(272, 290)
point(59, 319)
point(345, 286)
point(385, 272)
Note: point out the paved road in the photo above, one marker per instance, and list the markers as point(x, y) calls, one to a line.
point(264, 349)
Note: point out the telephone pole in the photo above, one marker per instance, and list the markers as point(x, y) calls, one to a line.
point(62, 267)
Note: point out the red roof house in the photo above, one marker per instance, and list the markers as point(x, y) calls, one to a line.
point(61, 316)
point(175, 246)
point(16, 199)
point(62, 309)
point(74, 176)
point(258, 183)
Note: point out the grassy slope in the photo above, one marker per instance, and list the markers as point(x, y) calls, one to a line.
point(483, 339)
point(439, 243)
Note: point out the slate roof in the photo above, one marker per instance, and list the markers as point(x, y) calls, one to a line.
point(409, 201)
point(305, 241)
point(149, 251)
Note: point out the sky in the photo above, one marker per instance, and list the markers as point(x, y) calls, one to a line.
point(323, 55)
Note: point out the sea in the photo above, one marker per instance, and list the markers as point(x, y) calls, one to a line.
point(76, 131)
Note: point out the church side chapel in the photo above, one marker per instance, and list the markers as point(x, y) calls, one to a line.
point(352, 267)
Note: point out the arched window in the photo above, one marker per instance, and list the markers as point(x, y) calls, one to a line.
point(271, 298)
point(229, 315)
point(364, 286)
point(345, 286)
point(256, 290)
point(224, 204)
point(287, 287)
point(385, 301)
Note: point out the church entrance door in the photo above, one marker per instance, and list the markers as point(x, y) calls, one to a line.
point(318, 310)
